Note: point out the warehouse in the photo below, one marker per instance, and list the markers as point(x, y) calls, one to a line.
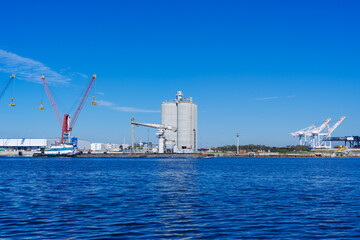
point(27, 144)
point(34, 144)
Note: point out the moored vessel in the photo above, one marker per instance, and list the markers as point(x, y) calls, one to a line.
point(62, 149)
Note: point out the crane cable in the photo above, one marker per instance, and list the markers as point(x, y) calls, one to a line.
point(94, 93)
point(76, 101)
point(12, 91)
point(41, 101)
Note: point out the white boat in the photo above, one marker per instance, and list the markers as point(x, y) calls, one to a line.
point(66, 149)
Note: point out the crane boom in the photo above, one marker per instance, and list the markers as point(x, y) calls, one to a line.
point(52, 102)
point(6, 85)
point(319, 129)
point(151, 125)
point(336, 125)
point(161, 132)
point(78, 110)
point(303, 132)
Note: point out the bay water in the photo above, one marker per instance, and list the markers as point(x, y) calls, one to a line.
point(216, 198)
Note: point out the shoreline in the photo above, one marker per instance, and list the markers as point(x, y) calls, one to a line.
point(314, 154)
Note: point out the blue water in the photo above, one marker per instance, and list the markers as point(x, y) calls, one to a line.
point(220, 198)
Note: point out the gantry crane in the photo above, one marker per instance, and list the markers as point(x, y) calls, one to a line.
point(329, 131)
point(6, 86)
point(303, 134)
point(316, 140)
point(67, 125)
point(161, 132)
point(315, 136)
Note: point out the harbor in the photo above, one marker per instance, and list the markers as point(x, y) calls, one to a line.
point(177, 136)
point(328, 153)
point(179, 120)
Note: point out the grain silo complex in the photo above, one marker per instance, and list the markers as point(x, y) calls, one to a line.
point(177, 132)
point(180, 113)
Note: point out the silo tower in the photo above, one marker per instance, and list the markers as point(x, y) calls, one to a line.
point(180, 113)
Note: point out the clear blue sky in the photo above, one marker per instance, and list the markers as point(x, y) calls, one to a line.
point(262, 68)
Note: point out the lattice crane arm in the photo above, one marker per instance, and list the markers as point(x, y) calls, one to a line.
point(82, 102)
point(52, 101)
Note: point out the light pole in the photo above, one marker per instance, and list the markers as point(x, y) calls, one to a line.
point(237, 143)
point(132, 134)
point(147, 149)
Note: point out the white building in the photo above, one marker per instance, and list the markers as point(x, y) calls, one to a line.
point(112, 147)
point(104, 147)
point(97, 147)
point(23, 143)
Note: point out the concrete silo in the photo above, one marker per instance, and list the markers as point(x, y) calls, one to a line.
point(169, 118)
point(180, 113)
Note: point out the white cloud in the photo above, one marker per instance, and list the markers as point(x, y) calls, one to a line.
point(131, 109)
point(272, 98)
point(113, 106)
point(77, 74)
point(266, 98)
point(105, 103)
point(28, 69)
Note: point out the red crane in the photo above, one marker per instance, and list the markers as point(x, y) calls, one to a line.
point(66, 125)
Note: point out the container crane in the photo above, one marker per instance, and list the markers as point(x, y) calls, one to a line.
point(335, 125)
point(303, 134)
point(316, 140)
point(161, 132)
point(67, 125)
point(6, 86)
point(316, 137)
point(326, 135)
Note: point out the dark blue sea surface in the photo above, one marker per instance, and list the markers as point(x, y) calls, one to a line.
point(219, 198)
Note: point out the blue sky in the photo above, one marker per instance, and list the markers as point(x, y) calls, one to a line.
point(262, 68)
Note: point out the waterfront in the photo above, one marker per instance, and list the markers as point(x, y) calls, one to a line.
point(268, 198)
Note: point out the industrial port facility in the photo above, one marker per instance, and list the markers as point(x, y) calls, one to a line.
point(177, 133)
point(67, 145)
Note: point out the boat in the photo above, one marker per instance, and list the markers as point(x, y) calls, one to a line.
point(62, 149)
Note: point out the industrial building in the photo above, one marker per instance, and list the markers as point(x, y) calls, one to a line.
point(180, 113)
point(353, 141)
point(104, 147)
point(23, 144)
point(178, 129)
point(32, 144)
